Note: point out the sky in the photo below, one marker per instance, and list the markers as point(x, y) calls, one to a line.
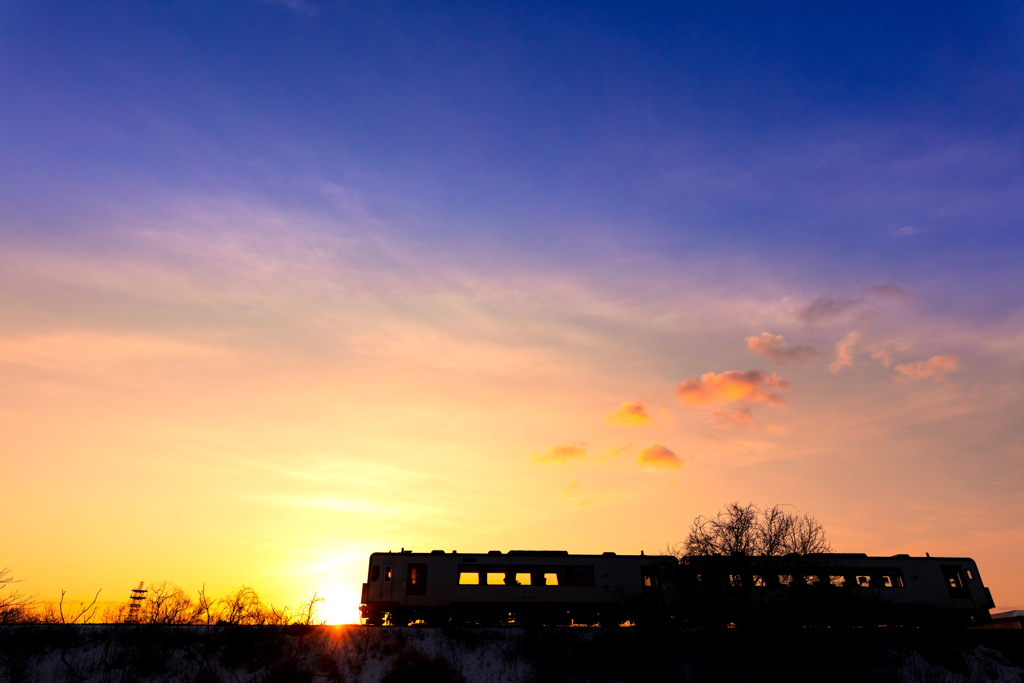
point(286, 283)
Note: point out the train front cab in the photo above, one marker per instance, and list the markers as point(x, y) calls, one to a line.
point(839, 589)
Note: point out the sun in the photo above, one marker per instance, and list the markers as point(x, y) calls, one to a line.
point(340, 606)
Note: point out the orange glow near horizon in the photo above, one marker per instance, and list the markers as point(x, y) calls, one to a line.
point(216, 408)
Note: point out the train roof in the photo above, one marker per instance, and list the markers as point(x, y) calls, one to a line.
point(779, 558)
point(520, 553)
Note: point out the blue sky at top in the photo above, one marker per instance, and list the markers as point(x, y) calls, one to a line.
point(806, 137)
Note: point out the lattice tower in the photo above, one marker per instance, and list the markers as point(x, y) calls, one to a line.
point(138, 597)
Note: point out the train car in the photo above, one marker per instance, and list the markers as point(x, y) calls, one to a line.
point(556, 588)
point(848, 588)
point(517, 587)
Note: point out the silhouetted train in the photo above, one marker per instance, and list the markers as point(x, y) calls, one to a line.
point(556, 588)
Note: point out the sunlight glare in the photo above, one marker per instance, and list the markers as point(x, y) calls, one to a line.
point(340, 606)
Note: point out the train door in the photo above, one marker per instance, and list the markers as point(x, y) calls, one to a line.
point(385, 591)
point(416, 584)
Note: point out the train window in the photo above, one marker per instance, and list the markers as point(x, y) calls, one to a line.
point(969, 575)
point(863, 581)
point(550, 578)
point(891, 578)
point(524, 579)
point(955, 581)
point(758, 580)
point(735, 580)
point(469, 577)
point(837, 580)
point(650, 578)
point(495, 576)
point(375, 573)
point(785, 579)
point(811, 579)
point(387, 572)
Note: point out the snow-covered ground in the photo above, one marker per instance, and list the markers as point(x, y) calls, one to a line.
point(108, 653)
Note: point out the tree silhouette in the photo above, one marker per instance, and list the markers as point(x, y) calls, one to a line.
point(750, 530)
point(13, 603)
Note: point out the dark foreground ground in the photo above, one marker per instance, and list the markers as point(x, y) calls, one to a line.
point(75, 654)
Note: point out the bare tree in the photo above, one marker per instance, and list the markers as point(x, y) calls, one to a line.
point(205, 606)
point(85, 612)
point(13, 603)
point(168, 603)
point(243, 606)
point(309, 611)
point(750, 530)
point(807, 535)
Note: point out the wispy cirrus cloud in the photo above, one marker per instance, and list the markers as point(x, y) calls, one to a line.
point(726, 419)
point(774, 348)
point(633, 414)
point(883, 350)
point(935, 367)
point(753, 386)
point(657, 456)
point(826, 308)
point(887, 290)
point(93, 353)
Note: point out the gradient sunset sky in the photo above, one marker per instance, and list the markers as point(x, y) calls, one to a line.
point(285, 283)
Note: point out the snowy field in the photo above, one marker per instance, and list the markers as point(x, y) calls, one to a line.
point(108, 653)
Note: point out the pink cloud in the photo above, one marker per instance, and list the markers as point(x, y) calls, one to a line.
point(844, 352)
point(724, 419)
point(936, 367)
point(560, 453)
point(882, 350)
point(733, 385)
point(658, 456)
point(774, 348)
point(633, 414)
